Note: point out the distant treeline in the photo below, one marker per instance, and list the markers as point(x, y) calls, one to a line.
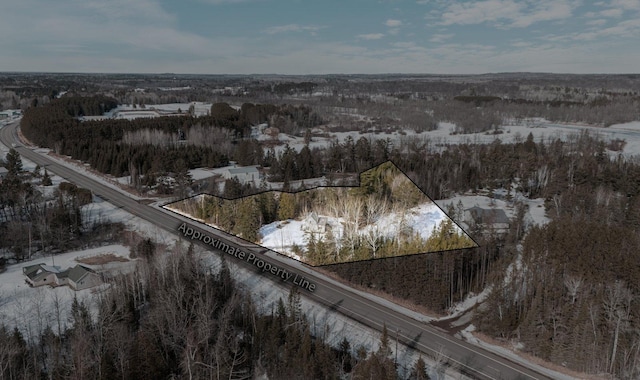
point(100, 143)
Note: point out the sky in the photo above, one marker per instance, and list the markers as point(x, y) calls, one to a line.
point(320, 36)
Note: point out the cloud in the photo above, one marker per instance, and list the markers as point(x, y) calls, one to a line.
point(597, 22)
point(612, 12)
point(126, 9)
point(627, 28)
point(480, 12)
point(370, 36)
point(626, 4)
point(293, 28)
point(393, 23)
point(515, 14)
point(440, 37)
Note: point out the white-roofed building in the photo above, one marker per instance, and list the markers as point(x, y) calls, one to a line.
point(244, 174)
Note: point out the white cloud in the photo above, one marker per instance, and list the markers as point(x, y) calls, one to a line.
point(612, 12)
point(626, 4)
point(480, 11)
point(393, 23)
point(597, 22)
point(393, 31)
point(126, 9)
point(516, 14)
point(370, 36)
point(627, 28)
point(437, 38)
point(545, 11)
point(292, 28)
point(143, 37)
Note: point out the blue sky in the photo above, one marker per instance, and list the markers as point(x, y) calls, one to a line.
point(320, 36)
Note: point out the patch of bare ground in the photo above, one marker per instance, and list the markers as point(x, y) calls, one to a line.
point(104, 258)
point(542, 363)
point(398, 301)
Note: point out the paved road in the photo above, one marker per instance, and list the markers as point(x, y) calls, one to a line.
point(473, 361)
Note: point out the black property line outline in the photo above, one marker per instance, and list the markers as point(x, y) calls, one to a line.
point(164, 206)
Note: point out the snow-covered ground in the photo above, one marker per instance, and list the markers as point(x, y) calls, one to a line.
point(467, 334)
point(282, 236)
point(323, 321)
point(128, 111)
point(535, 213)
point(32, 309)
point(422, 219)
point(541, 129)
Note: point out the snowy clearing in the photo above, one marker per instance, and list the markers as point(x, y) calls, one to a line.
point(283, 236)
point(32, 309)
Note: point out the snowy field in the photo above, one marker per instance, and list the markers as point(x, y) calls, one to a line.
point(282, 236)
point(32, 309)
point(535, 213)
point(541, 129)
point(128, 111)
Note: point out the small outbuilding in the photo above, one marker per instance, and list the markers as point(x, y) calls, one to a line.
point(244, 174)
point(495, 219)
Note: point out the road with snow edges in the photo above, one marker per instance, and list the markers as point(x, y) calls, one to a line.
point(471, 360)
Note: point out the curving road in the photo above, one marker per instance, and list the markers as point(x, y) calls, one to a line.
point(471, 360)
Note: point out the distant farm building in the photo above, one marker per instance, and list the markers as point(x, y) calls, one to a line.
point(244, 174)
point(9, 114)
point(77, 278)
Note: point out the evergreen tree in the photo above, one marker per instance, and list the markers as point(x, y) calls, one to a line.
point(46, 179)
point(419, 370)
point(14, 162)
point(248, 219)
point(286, 206)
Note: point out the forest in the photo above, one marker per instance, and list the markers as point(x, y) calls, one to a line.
point(148, 149)
point(36, 223)
point(566, 291)
point(340, 224)
point(176, 318)
point(139, 329)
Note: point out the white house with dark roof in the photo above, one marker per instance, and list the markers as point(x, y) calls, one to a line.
point(77, 278)
point(315, 224)
point(244, 174)
point(41, 274)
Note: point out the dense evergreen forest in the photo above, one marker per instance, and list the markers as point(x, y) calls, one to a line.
point(34, 223)
point(151, 148)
